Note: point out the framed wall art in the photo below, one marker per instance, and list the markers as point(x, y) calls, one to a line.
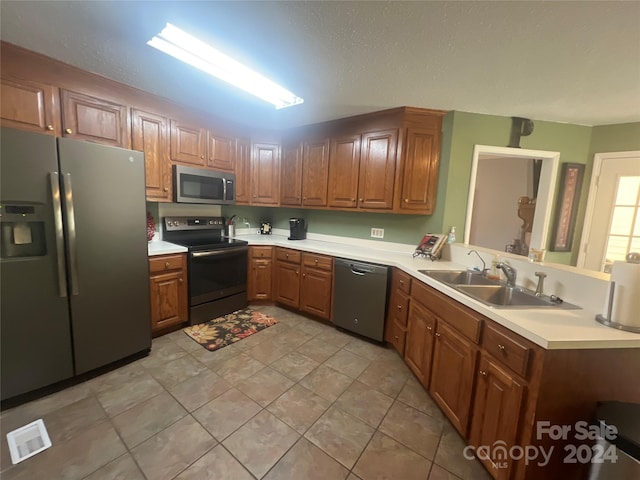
point(567, 207)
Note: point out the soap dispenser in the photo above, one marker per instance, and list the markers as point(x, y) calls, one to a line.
point(452, 235)
point(493, 274)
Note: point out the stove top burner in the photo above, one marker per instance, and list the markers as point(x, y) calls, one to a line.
point(198, 233)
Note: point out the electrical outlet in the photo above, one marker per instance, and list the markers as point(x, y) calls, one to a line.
point(377, 233)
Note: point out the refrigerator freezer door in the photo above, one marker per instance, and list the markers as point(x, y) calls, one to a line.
point(110, 313)
point(34, 314)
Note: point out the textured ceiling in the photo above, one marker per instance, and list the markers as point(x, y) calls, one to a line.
point(575, 62)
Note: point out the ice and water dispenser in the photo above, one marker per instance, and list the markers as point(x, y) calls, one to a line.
point(22, 231)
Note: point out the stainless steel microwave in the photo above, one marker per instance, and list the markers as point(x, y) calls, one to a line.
point(197, 185)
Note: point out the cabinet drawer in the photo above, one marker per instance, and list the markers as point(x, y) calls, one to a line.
point(317, 261)
point(288, 255)
point(399, 307)
point(395, 334)
point(164, 263)
point(400, 281)
point(261, 252)
point(465, 320)
point(506, 350)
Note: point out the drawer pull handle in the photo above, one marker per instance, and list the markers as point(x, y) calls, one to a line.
point(501, 348)
point(483, 373)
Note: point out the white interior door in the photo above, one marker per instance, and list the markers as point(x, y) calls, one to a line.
point(612, 220)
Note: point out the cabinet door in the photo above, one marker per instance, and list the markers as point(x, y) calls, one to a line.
point(344, 170)
point(452, 375)
point(29, 106)
point(315, 292)
point(243, 172)
point(169, 305)
point(260, 274)
point(496, 412)
point(95, 120)
point(151, 136)
point(419, 342)
point(377, 169)
point(291, 175)
point(188, 144)
point(265, 174)
point(420, 175)
point(315, 172)
point(395, 334)
point(287, 283)
point(221, 152)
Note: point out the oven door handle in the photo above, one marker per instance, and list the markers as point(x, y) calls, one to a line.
point(215, 253)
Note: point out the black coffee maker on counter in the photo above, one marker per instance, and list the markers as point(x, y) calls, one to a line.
point(298, 229)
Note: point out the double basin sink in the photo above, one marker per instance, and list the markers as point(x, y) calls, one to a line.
point(493, 293)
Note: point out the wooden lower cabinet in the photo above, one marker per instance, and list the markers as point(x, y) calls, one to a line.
point(287, 283)
point(496, 413)
point(316, 291)
point(260, 278)
point(418, 351)
point(168, 289)
point(452, 375)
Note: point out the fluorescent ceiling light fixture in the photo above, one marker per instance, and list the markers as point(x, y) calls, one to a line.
point(179, 44)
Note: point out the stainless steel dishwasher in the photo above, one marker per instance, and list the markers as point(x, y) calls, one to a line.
point(360, 297)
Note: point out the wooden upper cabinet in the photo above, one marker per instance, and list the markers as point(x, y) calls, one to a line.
point(188, 144)
point(377, 169)
point(151, 136)
point(344, 170)
point(265, 174)
point(420, 174)
point(243, 172)
point(315, 172)
point(30, 106)
point(95, 120)
point(291, 174)
point(221, 152)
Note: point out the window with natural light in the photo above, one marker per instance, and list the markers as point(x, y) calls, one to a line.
point(624, 230)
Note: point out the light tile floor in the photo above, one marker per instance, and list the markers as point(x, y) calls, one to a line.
point(299, 400)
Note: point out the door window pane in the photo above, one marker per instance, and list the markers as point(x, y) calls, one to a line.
point(628, 191)
point(622, 220)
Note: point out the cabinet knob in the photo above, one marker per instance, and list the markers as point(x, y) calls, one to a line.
point(297, 273)
point(483, 373)
point(399, 307)
point(429, 328)
point(437, 334)
point(167, 264)
point(353, 199)
point(180, 280)
point(254, 196)
point(401, 282)
point(50, 128)
point(396, 337)
point(202, 156)
point(304, 198)
point(501, 348)
point(361, 200)
point(316, 260)
point(304, 275)
point(286, 255)
point(165, 189)
point(68, 130)
point(406, 200)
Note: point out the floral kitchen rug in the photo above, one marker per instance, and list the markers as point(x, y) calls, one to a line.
point(231, 328)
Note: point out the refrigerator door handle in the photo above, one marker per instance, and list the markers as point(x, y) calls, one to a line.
point(71, 232)
point(57, 225)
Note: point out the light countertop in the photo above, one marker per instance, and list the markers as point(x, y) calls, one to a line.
point(551, 329)
point(159, 247)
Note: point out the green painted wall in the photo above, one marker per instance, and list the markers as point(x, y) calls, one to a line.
point(623, 137)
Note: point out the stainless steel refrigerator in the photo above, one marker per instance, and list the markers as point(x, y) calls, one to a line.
point(73, 259)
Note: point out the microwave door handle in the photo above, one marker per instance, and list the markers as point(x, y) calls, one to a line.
point(59, 234)
point(224, 189)
point(71, 232)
